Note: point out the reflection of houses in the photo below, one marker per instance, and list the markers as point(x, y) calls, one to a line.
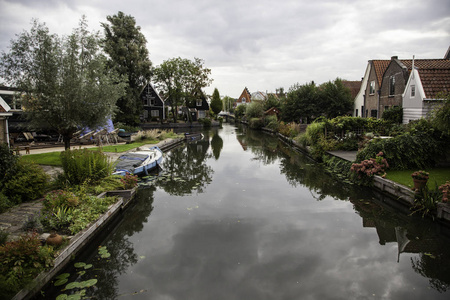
point(154, 106)
point(5, 113)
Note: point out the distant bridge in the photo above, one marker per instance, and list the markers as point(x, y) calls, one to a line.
point(227, 116)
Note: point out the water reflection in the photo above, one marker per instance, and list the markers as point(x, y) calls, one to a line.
point(254, 230)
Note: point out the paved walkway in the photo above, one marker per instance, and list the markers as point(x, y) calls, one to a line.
point(347, 155)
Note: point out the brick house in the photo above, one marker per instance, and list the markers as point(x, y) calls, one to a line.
point(371, 93)
point(244, 98)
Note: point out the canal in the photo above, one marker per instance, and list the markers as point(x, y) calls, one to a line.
point(240, 215)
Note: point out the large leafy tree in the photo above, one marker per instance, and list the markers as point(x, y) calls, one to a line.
point(302, 103)
point(335, 99)
point(128, 55)
point(181, 80)
point(64, 81)
point(216, 103)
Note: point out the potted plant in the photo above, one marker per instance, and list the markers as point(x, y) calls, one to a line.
point(420, 179)
point(445, 189)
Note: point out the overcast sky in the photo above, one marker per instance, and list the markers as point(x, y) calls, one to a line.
point(259, 44)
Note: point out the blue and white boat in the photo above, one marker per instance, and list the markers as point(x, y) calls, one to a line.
point(139, 162)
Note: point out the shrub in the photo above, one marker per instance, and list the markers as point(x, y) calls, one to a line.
point(256, 123)
point(8, 162)
point(271, 122)
point(205, 121)
point(393, 115)
point(4, 203)
point(370, 167)
point(22, 260)
point(60, 198)
point(28, 183)
point(129, 181)
point(254, 110)
point(406, 151)
point(85, 166)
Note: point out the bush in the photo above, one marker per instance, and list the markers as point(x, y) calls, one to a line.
point(85, 166)
point(405, 151)
point(22, 260)
point(393, 115)
point(129, 181)
point(256, 123)
point(28, 183)
point(206, 122)
point(271, 122)
point(370, 167)
point(8, 162)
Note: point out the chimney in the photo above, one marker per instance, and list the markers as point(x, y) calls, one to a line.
point(394, 57)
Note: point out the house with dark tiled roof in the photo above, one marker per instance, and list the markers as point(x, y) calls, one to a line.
point(428, 79)
point(154, 106)
point(244, 98)
point(374, 71)
point(5, 113)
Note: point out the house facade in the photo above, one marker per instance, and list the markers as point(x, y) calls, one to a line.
point(393, 84)
point(358, 103)
point(427, 80)
point(372, 91)
point(153, 104)
point(5, 113)
point(244, 98)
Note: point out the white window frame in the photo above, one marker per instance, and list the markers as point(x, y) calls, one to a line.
point(372, 87)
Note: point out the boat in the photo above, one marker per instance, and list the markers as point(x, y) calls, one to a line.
point(139, 162)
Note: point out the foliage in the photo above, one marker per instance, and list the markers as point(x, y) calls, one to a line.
point(289, 130)
point(8, 162)
point(28, 183)
point(254, 110)
point(420, 175)
point(426, 201)
point(393, 115)
point(3, 237)
point(271, 101)
point(370, 167)
point(440, 117)
point(240, 111)
point(81, 166)
point(228, 103)
point(4, 203)
point(335, 99)
point(129, 181)
point(126, 127)
point(60, 198)
point(405, 151)
point(216, 103)
point(125, 45)
point(64, 83)
point(33, 223)
point(181, 81)
point(301, 103)
point(22, 260)
point(205, 121)
point(314, 131)
point(341, 168)
point(271, 122)
point(256, 123)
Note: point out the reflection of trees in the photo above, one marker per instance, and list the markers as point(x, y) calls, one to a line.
point(216, 144)
point(264, 147)
point(436, 268)
point(188, 169)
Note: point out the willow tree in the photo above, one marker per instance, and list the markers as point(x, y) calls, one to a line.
point(64, 83)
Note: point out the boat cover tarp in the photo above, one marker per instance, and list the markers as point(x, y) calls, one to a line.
point(130, 161)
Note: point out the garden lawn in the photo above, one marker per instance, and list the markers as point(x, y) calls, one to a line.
point(438, 176)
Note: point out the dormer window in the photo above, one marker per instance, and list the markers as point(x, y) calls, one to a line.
point(199, 102)
point(243, 99)
point(413, 91)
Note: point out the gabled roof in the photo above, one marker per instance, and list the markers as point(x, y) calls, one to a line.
point(434, 75)
point(380, 67)
point(354, 87)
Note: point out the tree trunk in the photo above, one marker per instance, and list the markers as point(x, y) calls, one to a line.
point(66, 140)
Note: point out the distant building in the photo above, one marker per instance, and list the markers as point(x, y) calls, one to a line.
point(244, 98)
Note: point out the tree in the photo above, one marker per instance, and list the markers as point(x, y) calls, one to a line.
point(228, 103)
point(128, 56)
point(335, 99)
point(301, 103)
point(216, 103)
point(181, 81)
point(64, 82)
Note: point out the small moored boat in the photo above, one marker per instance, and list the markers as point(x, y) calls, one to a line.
point(139, 162)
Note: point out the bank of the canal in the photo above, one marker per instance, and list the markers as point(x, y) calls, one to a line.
point(12, 221)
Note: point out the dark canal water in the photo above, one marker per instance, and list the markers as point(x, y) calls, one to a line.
point(241, 216)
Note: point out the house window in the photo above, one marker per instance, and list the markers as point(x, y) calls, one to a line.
point(154, 113)
point(356, 112)
point(372, 87)
point(392, 86)
point(201, 114)
point(199, 102)
point(413, 91)
point(373, 113)
point(243, 99)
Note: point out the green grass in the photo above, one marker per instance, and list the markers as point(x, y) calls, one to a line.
point(50, 158)
point(437, 176)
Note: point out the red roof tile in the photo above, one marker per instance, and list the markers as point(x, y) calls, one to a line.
point(380, 66)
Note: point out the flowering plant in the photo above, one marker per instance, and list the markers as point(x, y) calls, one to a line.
point(60, 198)
point(129, 181)
point(371, 167)
point(445, 189)
point(420, 175)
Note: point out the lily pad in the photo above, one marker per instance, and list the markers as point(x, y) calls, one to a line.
point(105, 255)
point(88, 266)
point(72, 285)
point(74, 297)
point(81, 273)
point(62, 297)
point(62, 276)
point(79, 265)
point(61, 281)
